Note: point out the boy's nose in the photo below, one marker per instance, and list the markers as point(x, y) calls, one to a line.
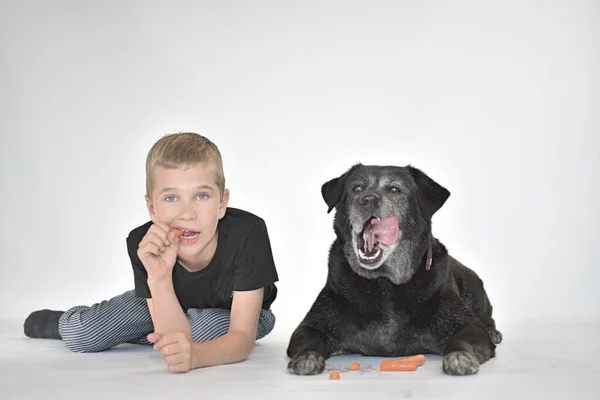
point(187, 212)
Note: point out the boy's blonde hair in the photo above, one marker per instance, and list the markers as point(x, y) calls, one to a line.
point(184, 149)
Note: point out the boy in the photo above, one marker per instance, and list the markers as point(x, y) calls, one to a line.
point(204, 273)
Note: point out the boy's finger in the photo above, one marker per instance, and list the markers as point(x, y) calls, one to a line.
point(165, 341)
point(173, 244)
point(181, 367)
point(158, 236)
point(171, 350)
point(176, 231)
point(165, 228)
point(162, 229)
point(160, 232)
point(150, 248)
point(174, 236)
point(153, 237)
point(162, 244)
point(154, 337)
point(175, 358)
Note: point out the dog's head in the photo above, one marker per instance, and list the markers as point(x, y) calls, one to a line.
point(383, 217)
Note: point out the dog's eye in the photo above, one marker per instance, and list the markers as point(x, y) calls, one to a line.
point(357, 188)
point(394, 189)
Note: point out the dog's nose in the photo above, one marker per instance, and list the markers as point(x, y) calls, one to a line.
point(370, 199)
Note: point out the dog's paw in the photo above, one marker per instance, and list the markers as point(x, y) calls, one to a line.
point(308, 363)
point(496, 336)
point(460, 363)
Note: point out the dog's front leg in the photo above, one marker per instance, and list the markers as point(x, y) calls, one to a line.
point(307, 351)
point(468, 349)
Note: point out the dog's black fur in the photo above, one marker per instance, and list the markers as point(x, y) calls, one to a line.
point(400, 307)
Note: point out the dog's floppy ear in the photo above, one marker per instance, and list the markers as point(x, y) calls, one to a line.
point(430, 194)
point(332, 192)
point(333, 189)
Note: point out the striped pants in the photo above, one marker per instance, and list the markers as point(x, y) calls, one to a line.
point(126, 319)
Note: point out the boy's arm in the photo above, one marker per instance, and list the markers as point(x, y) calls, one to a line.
point(239, 342)
point(153, 262)
point(165, 310)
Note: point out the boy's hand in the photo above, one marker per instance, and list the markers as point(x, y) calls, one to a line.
point(175, 348)
point(158, 250)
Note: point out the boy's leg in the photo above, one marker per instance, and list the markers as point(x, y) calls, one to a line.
point(211, 323)
point(122, 319)
point(266, 323)
point(126, 319)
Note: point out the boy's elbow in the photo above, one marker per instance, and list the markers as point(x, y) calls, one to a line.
point(250, 342)
point(246, 343)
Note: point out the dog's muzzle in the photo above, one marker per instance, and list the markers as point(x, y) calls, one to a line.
point(376, 231)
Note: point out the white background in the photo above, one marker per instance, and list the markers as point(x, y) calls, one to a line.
point(496, 100)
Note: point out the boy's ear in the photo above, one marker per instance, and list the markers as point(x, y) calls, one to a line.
point(150, 207)
point(430, 194)
point(333, 189)
point(223, 203)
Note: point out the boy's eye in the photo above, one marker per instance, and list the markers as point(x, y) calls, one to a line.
point(170, 199)
point(202, 196)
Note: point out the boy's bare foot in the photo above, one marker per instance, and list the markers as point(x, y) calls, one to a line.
point(43, 324)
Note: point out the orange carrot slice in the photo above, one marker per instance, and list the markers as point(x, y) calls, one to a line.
point(354, 366)
point(177, 231)
point(418, 359)
point(334, 375)
point(403, 364)
point(389, 365)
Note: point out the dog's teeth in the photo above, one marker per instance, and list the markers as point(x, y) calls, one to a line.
point(365, 257)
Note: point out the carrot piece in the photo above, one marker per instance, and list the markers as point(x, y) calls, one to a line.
point(177, 231)
point(334, 375)
point(418, 359)
point(403, 364)
point(390, 366)
point(354, 366)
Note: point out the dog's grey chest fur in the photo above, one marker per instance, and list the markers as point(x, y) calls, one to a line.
point(379, 335)
point(387, 335)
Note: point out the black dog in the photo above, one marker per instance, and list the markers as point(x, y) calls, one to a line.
point(392, 288)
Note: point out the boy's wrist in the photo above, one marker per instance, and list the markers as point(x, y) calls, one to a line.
point(196, 355)
point(154, 281)
point(225, 349)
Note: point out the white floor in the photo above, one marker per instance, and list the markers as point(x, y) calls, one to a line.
point(545, 361)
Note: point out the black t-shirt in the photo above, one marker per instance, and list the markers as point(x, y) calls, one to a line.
point(242, 261)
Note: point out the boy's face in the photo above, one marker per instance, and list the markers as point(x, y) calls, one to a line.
point(188, 198)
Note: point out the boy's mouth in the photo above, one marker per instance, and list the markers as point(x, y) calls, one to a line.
point(189, 235)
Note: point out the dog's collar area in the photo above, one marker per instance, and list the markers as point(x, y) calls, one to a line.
point(429, 256)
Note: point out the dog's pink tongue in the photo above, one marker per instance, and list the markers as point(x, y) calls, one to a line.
point(385, 230)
